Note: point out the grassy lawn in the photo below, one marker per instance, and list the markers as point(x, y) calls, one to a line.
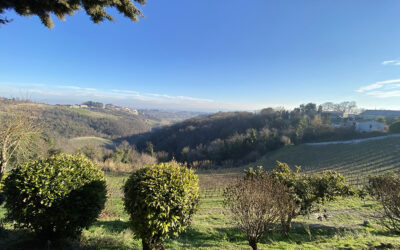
point(212, 227)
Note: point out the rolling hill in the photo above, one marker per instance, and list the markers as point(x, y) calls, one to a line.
point(59, 121)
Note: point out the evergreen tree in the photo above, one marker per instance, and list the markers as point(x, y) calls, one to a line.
point(94, 8)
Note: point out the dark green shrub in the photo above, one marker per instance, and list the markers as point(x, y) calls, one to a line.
point(161, 200)
point(394, 127)
point(386, 190)
point(56, 197)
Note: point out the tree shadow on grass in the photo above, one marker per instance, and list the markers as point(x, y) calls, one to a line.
point(305, 233)
point(112, 226)
point(26, 240)
point(23, 239)
point(193, 238)
point(108, 242)
point(18, 239)
point(384, 232)
point(298, 235)
point(213, 238)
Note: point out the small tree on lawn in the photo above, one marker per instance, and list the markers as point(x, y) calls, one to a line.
point(257, 202)
point(307, 191)
point(19, 132)
point(161, 200)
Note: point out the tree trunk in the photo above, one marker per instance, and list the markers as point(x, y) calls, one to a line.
point(3, 160)
point(253, 243)
point(146, 245)
point(151, 246)
point(286, 226)
point(2, 169)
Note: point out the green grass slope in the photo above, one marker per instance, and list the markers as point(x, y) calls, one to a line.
point(355, 161)
point(92, 141)
point(213, 228)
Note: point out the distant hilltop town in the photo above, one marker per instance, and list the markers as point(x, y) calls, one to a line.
point(99, 105)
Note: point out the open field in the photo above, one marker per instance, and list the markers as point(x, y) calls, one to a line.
point(212, 228)
point(79, 142)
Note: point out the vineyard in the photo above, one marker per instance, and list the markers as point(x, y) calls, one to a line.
point(355, 161)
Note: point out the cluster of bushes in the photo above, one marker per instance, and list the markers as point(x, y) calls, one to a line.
point(121, 158)
point(57, 197)
point(261, 200)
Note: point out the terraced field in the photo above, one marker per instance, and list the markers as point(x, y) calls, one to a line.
point(356, 161)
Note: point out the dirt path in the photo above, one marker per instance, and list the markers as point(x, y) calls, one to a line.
point(353, 141)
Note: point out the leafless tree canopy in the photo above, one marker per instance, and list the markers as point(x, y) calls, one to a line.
point(18, 130)
point(386, 190)
point(257, 204)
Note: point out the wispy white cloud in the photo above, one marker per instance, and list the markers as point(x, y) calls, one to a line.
point(378, 85)
point(382, 89)
point(391, 62)
point(76, 91)
point(384, 94)
point(187, 98)
point(74, 94)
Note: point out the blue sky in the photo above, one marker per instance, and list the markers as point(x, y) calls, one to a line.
point(211, 55)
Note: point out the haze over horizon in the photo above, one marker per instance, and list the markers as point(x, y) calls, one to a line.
point(211, 56)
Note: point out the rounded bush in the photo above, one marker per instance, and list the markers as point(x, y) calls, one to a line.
point(161, 200)
point(56, 197)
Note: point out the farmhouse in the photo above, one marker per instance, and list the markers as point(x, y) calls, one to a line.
point(369, 126)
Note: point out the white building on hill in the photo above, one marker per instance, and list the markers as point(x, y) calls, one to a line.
point(369, 126)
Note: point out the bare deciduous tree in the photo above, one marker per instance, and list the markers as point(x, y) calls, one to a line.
point(18, 129)
point(386, 190)
point(257, 204)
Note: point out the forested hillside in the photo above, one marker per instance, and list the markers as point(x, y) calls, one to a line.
point(69, 123)
point(239, 137)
